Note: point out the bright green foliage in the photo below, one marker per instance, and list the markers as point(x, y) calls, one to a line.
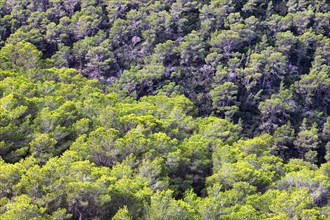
point(163, 206)
point(22, 208)
point(202, 109)
point(122, 214)
point(281, 203)
point(24, 55)
point(43, 147)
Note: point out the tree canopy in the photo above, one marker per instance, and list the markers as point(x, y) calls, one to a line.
point(213, 109)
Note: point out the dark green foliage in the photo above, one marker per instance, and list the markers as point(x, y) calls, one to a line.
point(126, 109)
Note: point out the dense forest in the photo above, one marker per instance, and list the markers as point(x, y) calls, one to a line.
point(160, 110)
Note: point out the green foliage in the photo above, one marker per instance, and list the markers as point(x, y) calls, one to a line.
point(169, 109)
point(164, 207)
point(224, 98)
point(24, 55)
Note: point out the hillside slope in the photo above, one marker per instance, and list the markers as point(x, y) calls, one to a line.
point(169, 109)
